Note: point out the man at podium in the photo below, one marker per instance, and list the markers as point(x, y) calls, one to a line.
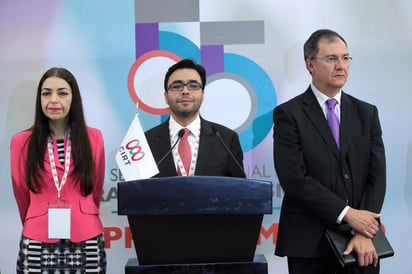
point(186, 144)
point(183, 223)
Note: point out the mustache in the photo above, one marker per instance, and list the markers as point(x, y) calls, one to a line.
point(185, 98)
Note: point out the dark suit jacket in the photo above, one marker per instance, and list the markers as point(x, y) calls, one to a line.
point(213, 159)
point(317, 178)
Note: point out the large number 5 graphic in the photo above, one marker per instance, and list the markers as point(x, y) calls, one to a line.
point(256, 118)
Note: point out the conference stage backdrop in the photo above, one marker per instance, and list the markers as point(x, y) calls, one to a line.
point(252, 50)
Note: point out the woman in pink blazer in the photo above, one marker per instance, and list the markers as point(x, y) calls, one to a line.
point(57, 169)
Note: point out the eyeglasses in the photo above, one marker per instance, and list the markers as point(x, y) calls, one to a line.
point(179, 85)
point(332, 59)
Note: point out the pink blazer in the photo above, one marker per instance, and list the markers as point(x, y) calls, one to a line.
point(33, 207)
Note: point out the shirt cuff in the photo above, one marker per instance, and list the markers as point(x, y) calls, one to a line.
point(342, 214)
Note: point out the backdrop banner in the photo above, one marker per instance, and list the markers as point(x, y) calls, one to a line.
point(252, 50)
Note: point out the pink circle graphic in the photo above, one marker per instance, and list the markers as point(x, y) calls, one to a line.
point(133, 70)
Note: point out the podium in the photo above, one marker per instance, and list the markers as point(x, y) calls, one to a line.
point(195, 224)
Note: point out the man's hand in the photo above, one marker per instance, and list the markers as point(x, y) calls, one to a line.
point(364, 249)
point(362, 221)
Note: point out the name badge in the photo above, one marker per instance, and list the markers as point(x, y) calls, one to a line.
point(59, 223)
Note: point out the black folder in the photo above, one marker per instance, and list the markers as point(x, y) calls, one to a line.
point(339, 238)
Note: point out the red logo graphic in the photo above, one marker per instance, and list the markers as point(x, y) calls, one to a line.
point(135, 150)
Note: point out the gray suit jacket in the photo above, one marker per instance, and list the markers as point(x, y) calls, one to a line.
point(318, 179)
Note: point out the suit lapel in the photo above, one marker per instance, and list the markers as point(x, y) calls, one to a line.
point(59, 166)
point(315, 114)
point(205, 145)
point(163, 143)
point(348, 114)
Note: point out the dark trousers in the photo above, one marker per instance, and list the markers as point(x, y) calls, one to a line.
point(326, 266)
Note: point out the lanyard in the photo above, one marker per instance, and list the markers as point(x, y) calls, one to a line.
point(53, 165)
point(194, 157)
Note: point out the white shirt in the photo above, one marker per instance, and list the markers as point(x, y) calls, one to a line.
point(322, 98)
point(193, 127)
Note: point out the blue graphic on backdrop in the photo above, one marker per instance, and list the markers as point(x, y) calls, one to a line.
point(151, 42)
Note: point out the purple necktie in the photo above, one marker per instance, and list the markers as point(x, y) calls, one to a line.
point(333, 119)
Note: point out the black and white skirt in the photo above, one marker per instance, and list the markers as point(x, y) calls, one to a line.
point(63, 257)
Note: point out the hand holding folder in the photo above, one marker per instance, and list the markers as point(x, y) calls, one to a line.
point(340, 236)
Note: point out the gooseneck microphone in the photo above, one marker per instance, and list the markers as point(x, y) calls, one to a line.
point(179, 135)
point(228, 150)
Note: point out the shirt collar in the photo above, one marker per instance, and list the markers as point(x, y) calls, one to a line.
point(322, 98)
point(175, 127)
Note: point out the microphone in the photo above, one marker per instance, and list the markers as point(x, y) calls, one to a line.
point(228, 150)
point(179, 135)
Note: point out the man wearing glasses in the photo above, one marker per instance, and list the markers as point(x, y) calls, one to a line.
point(330, 160)
point(186, 144)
